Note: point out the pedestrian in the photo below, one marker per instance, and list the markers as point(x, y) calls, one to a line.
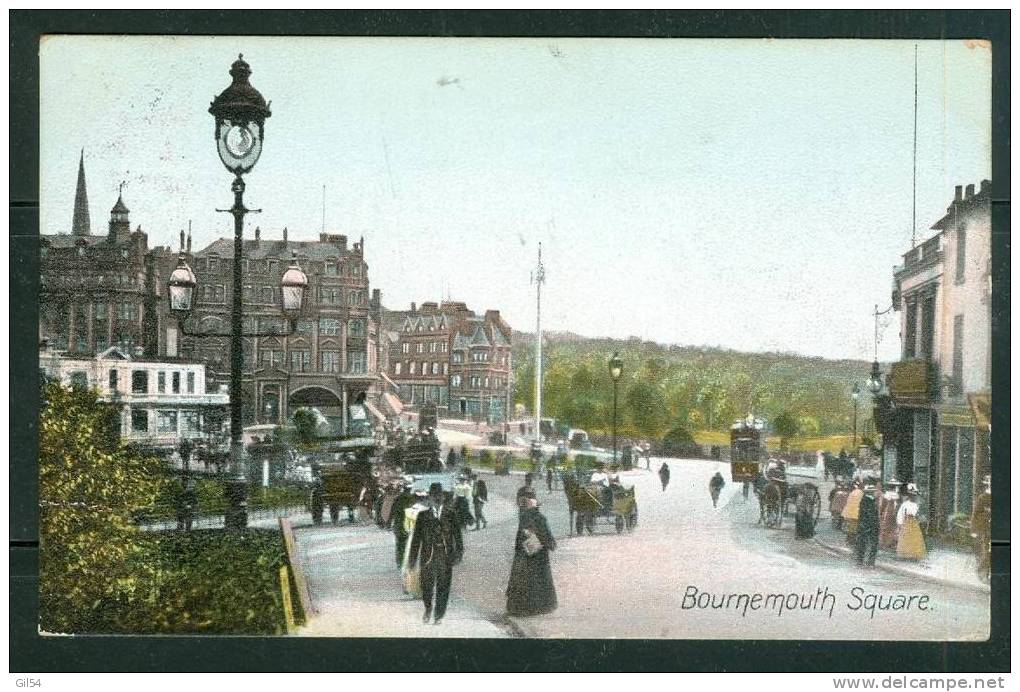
point(867, 525)
point(317, 495)
point(528, 477)
point(479, 496)
point(910, 543)
point(462, 502)
point(664, 475)
point(403, 501)
point(715, 487)
point(746, 489)
point(531, 590)
point(888, 505)
point(850, 510)
point(804, 520)
point(981, 530)
point(549, 477)
point(440, 545)
point(451, 459)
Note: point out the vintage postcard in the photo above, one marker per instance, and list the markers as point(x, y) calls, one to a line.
point(487, 338)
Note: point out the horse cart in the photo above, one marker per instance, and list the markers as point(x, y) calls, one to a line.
point(781, 488)
point(592, 504)
point(344, 478)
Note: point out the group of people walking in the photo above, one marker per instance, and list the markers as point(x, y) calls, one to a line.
point(437, 546)
point(875, 519)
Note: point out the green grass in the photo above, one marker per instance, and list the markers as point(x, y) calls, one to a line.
point(827, 443)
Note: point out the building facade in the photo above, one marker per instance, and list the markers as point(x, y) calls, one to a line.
point(936, 426)
point(162, 402)
point(332, 358)
point(446, 354)
point(92, 288)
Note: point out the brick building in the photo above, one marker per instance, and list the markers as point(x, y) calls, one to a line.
point(446, 354)
point(92, 287)
point(330, 361)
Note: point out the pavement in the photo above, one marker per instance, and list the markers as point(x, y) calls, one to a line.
point(638, 584)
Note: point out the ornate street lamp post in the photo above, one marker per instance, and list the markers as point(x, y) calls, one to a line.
point(615, 370)
point(240, 114)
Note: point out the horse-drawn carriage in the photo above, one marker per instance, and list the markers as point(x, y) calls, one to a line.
point(778, 489)
point(593, 503)
point(344, 478)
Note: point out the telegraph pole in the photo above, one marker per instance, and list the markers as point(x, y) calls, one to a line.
point(539, 279)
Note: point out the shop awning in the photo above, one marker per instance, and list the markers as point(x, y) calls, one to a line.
point(981, 408)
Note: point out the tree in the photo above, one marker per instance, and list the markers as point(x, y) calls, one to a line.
point(648, 409)
point(90, 488)
point(785, 425)
point(677, 441)
point(305, 426)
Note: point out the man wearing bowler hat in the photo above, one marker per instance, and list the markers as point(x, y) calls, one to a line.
point(438, 541)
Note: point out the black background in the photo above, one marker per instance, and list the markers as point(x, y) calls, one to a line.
point(31, 653)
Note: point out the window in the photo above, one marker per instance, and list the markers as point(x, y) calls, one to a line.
point(455, 381)
point(961, 255)
point(127, 312)
point(274, 267)
point(300, 361)
point(958, 355)
point(329, 326)
point(928, 327)
point(486, 381)
point(214, 263)
point(161, 382)
point(139, 421)
point(330, 295)
point(139, 382)
point(79, 379)
point(113, 380)
point(356, 328)
point(910, 330)
point(270, 358)
point(330, 361)
point(405, 347)
point(176, 382)
point(457, 357)
point(396, 368)
point(101, 313)
point(190, 423)
point(443, 346)
point(166, 422)
point(270, 325)
point(412, 368)
point(191, 381)
point(356, 362)
point(421, 347)
point(435, 368)
point(305, 327)
point(446, 368)
point(248, 294)
point(332, 268)
point(201, 264)
point(267, 295)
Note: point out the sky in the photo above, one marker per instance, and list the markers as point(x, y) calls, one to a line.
point(750, 194)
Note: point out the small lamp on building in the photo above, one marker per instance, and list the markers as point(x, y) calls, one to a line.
point(875, 379)
point(294, 284)
point(181, 288)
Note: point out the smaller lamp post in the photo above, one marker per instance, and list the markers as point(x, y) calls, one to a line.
point(855, 395)
point(615, 370)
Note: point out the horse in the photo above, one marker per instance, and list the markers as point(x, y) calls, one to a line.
point(770, 505)
point(576, 494)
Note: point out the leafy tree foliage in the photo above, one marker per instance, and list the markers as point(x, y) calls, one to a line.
point(89, 490)
point(786, 426)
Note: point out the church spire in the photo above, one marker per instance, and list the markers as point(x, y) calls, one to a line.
point(80, 223)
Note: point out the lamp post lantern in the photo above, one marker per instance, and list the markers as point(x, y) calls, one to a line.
point(615, 370)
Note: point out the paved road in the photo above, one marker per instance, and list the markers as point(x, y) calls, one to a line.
point(638, 584)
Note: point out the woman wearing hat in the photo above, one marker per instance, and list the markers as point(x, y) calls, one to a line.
point(531, 590)
point(910, 545)
point(850, 512)
point(888, 506)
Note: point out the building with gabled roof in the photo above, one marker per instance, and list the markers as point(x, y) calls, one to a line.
point(445, 353)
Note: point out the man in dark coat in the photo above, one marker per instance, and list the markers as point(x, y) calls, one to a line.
point(440, 545)
point(867, 525)
point(479, 496)
point(664, 475)
point(715, 487)
point(403, 501)
point(531, 590)
point(526, 488)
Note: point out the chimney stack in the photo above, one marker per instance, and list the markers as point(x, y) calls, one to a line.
point(414, 308)
point(182, 240)
point(285, 234)
point(258, 232)
point(189, 242)
point(970, 190)
point(959, 194)
point(986, 187)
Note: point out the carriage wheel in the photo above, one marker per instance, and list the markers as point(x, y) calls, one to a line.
point(619, 524)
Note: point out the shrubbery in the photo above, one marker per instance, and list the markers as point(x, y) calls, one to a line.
point(100, 574)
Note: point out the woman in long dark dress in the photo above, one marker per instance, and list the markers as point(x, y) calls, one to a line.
point(531, 590)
